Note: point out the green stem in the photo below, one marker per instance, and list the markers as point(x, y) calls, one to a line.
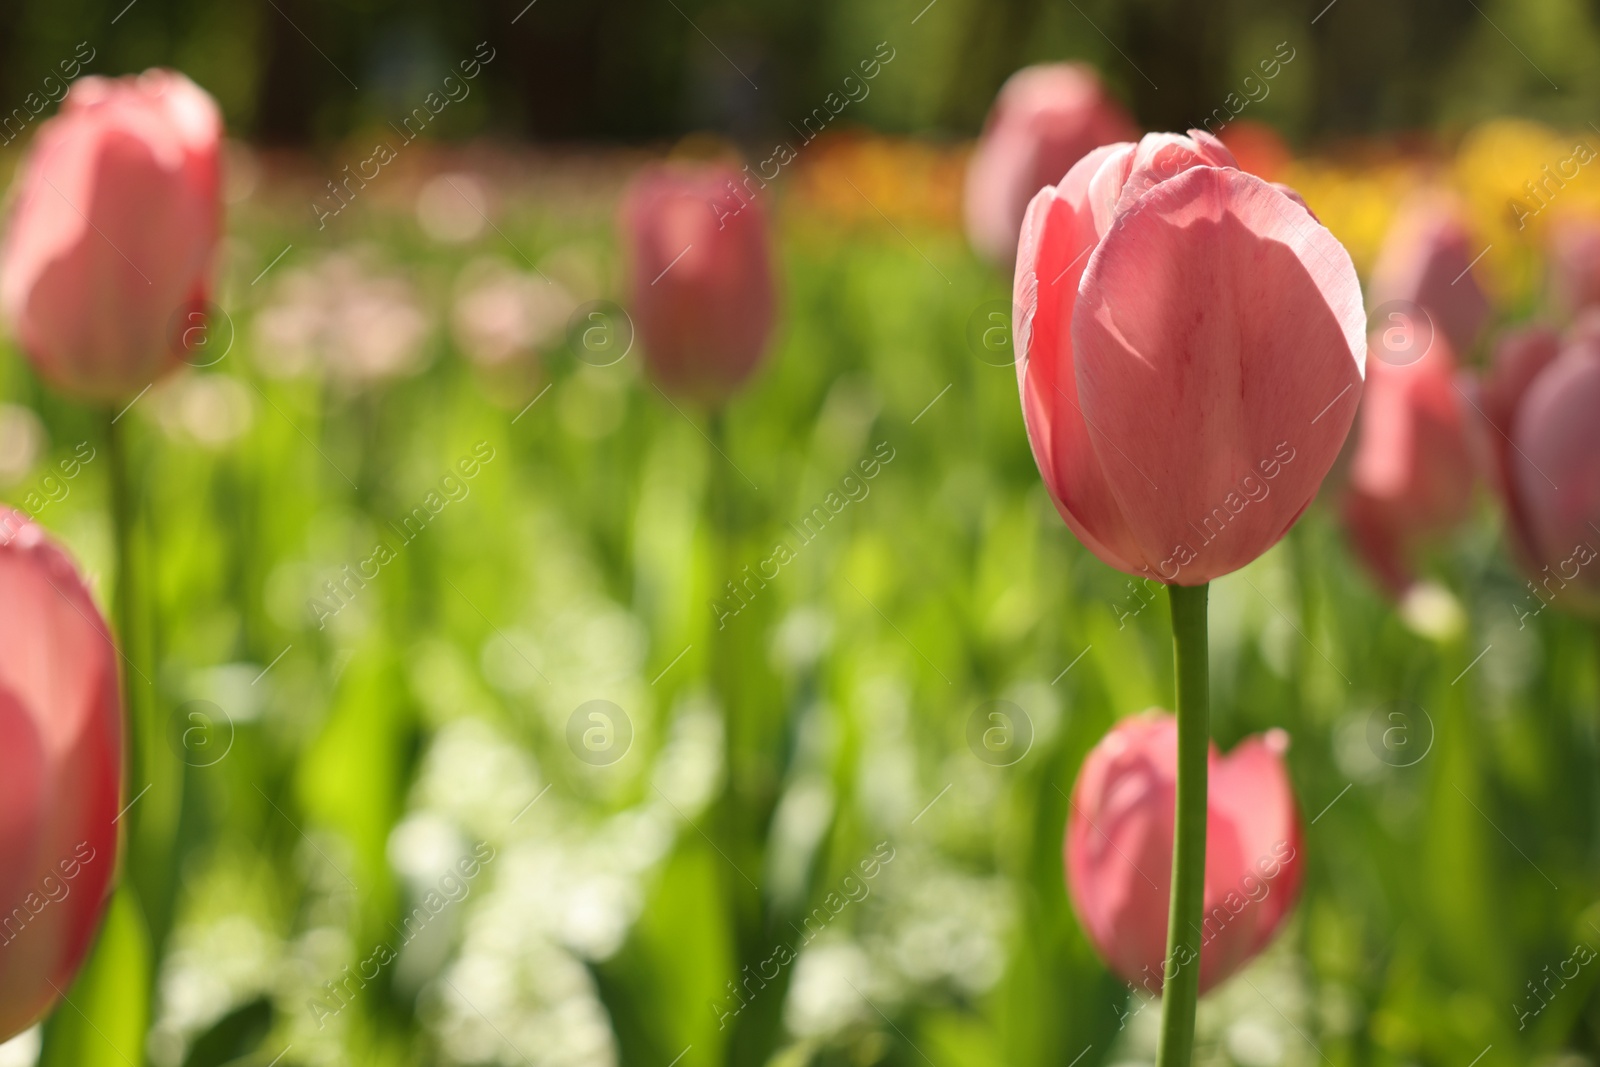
point(123, 599)
point(1181, 977)
point(155, 775)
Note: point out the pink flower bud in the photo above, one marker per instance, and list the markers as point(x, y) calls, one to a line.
point(1045, 119)
point(1119, 850)
point(1426, 261)
point(114, 232)
point(60, 770)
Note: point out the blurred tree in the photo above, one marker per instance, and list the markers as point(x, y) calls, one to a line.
point(305, 71)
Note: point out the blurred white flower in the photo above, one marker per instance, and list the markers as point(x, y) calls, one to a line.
point(22, 441)
point(520, 1005)
point(831, 981)
point(453, 208)
point(209, 409)
point(355, 324)
point(803, 815)
point(946, 926)
point(689, 770)
point(802, 637)
point(1433, 611)
point(502, 314)
point(477, 778)
point(1252, 1042)
point(22, 1050)
point(423, 847)
point(887, 785)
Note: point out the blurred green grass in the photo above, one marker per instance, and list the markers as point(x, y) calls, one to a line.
point(433, 713)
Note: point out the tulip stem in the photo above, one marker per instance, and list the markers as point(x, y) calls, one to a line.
point(1181, 971)
point(123, 595)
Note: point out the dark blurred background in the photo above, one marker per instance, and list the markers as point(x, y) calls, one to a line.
point(305, 71)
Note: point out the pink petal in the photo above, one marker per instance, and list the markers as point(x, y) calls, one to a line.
point(1058, 234)
point(1555, 472)
point(1220, 343)
point(1160, 157)
point(60, 767)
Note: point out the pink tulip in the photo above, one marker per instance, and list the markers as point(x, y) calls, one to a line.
point(700, 262)
point(1520, 356)
point(1191, 346)
point(1426, 261)
point(1575, 262)
point(114, 232)
point(1415, 465)
point(1551, 460)
point(1045, 119)
point(1119, 850)
point(60, 770)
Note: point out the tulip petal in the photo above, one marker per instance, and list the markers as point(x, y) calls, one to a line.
point(1520, 357)
point(1555, 472)
point(1250, 796)
point(1220, 345)
point(58, 670)
point(1058, 233)
point(1160, 157)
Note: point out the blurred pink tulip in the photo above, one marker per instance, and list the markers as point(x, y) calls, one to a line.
point(1119, 850)
point(1548, 448)
point(1426, 261)
point(1415, 463)
point(700, 263)
point(1045, 119)
point(1520, 356)
point(1187, 385)
point(60, 770)
point(114, 232)
point(1575, 263)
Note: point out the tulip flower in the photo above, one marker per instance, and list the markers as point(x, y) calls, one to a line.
point(1426, 264)
point(1547, 448)
point(1575, 262)
point(1520, 356)
point(1045, 119)
point(108, 258)
point(1191, 346)
point(1415, 463)
point(700, 264)
point(60, 771)
point(1119, 850)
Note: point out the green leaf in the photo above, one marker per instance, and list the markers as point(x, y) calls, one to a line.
point(101, 1020)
